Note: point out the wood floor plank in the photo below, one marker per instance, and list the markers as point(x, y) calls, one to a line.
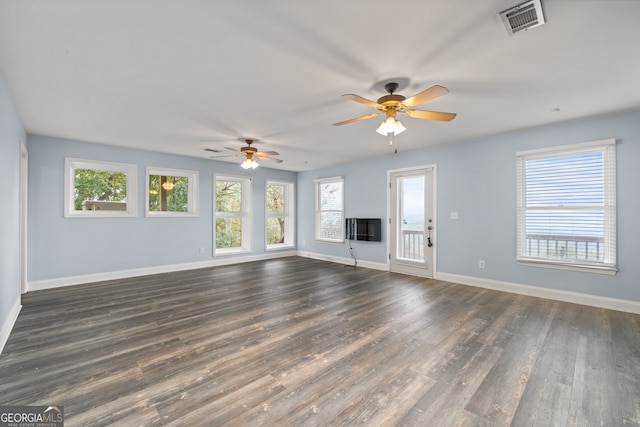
point(454, 388)
point(498, 396)
point(301, 342)
point(597, 400)
point(547, 397)
point(343, 374)
point(624, 329)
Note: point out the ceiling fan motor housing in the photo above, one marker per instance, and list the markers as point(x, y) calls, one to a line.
point(248, 150)
point(391, 101)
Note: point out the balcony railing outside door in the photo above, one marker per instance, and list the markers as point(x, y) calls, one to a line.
point(412, 246)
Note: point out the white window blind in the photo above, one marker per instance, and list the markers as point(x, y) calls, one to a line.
point(566, 206)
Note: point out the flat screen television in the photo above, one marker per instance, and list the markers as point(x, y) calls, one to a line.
point(365, 229)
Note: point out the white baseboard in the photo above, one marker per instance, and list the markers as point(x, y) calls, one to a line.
point(346, 261)
point(123, 274)
point(552, 294)
point(7, 326)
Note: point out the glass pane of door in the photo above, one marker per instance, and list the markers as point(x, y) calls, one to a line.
point(411, 218)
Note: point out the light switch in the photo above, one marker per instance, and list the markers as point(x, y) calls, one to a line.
point(454, 215)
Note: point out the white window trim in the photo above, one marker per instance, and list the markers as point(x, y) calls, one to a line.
point(318, 182)
point(609, 267)
point(131, 170)
point(193, 193)
point(245, 215)
point(289, 215)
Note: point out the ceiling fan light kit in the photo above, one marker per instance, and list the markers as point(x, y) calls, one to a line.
point(249, 163)
point(391, 104)
point(390, 125)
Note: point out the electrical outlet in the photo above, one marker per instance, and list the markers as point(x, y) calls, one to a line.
point(201, 251)
point(481, 263)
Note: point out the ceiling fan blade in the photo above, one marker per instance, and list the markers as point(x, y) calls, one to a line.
point(270, 159)
point(431, 115)
point(426, 95)
point(232, 149)
point(357, 119)
point(362, 100)
point(267, 153)
point(230, 155)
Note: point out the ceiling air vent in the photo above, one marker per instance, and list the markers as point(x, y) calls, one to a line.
point(523, 16)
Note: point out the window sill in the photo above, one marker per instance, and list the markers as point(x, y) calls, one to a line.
point(100, 214)
point(171, 214)
point(335, 242)
point(232, 251)
point(597, 269)
point(279, 247)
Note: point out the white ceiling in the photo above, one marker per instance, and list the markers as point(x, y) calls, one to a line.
point(180, 76)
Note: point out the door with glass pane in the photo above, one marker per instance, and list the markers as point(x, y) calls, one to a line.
point(411, 222)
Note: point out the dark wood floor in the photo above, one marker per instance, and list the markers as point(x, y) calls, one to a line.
point(299, 342)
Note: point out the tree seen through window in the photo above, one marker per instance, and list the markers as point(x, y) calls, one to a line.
point(98, 185)
point(168, 193)
point(228, 207)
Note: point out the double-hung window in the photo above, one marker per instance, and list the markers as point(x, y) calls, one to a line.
point(567, 207)
point(280, 215)
point(232, 215)
point(330, 209)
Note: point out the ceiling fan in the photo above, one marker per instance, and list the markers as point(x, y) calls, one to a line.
point(250, 154)
point(392, 104)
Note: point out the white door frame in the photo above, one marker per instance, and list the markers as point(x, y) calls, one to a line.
point(434, 231)
point(24, 178)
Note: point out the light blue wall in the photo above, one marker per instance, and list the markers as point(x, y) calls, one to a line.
point(11, 135)
point(476, 178)
point(365, 196)
point(64, 247)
